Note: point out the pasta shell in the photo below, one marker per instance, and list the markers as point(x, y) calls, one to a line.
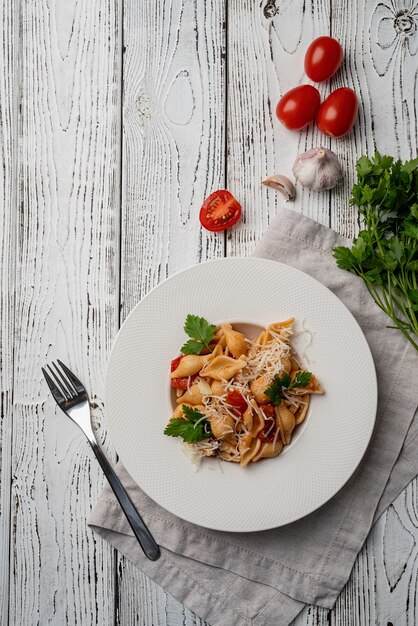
point(228, 450)
point(257, 420)
point(217, 351)
point(252, 448)
point(218, 388)
point(189, 365)
point(193, 396)
point(285, 420)
point(258, 387)
point(268, 450)
point(295, 364)
point(281, 328)
point(302, 410)
point(221, 425)
point(235, 341)
point(204, 387)
point(178, 413)
point(262, 339)
point(313, 387)
point(223, 368)
point(287, 363)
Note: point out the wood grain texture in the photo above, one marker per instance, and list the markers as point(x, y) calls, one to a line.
point(173, 157)
point(8, 227)
point(201, 81)
point(66, 304)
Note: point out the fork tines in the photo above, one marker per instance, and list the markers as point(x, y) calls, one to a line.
point(64, 385)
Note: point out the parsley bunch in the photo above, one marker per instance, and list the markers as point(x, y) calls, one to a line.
point(385, 253)
point(195, 427)
point(274, 391)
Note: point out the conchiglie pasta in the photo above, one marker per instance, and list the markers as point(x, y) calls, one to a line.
point(225, 385)
point(235, 341)
point(189, 365)
point(223, 368)
point(268, 451)
point(192, 396)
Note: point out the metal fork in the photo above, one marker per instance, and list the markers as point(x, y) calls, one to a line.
point(71, 396)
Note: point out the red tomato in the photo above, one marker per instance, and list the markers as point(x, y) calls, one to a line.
point(219, 211)
point(337, 114)
point(235, 399)
point(180, 383)
point(323, 58)
point(175, 363)
point(297, 108)
point(268, 409)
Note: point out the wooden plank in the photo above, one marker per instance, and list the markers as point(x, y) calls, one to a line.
point(266, 46)
point(8, 223)
point(173, 157)
point(67, 303)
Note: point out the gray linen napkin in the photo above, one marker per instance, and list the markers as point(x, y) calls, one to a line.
point(266, 578)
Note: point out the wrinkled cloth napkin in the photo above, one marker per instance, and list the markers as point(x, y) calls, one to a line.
point(266, 578)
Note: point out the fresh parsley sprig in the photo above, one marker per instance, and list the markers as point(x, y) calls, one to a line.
point(385, 253)
point(274, 391)
point(195, 427)
point(201, 333)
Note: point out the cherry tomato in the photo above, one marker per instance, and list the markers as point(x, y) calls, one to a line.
point(236, 400)
point(268, 409)
point(179, 383)
point(323, 58)
point(337, 114)
point(219, 211)
point(175, 363)
point(297, 108)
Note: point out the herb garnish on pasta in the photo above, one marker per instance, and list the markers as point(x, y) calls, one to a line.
point(192, 427)
point(238, 398)
point(201, 333)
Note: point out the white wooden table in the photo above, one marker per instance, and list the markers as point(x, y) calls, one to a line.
point(117, 119)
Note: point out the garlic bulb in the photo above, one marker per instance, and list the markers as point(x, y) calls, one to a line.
point(318, 169)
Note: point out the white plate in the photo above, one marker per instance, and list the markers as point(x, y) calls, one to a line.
point(324, 453)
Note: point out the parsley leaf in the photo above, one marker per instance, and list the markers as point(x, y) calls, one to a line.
point(274, 391)
point(201, 333)
point(195, 427)
point(301, 379)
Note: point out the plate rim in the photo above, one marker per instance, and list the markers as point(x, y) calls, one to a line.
point(367, 439)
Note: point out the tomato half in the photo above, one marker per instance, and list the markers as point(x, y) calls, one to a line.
point(219, 211)
point(323, 58)
point(338, 113)
point(297, 108)
point(268, 432)
point(237, 401)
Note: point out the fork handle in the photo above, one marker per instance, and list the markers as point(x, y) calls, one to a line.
point(140, 530)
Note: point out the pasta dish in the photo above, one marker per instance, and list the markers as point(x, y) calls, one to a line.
point(238, 399)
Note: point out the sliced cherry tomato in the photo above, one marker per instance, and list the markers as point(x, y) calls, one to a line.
point(297, 108)
point(338, 113)
point(219, 211)
point(235, 399)
point(175, 363)
point(180, 383)
point(268, 409)
point(323, 58)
